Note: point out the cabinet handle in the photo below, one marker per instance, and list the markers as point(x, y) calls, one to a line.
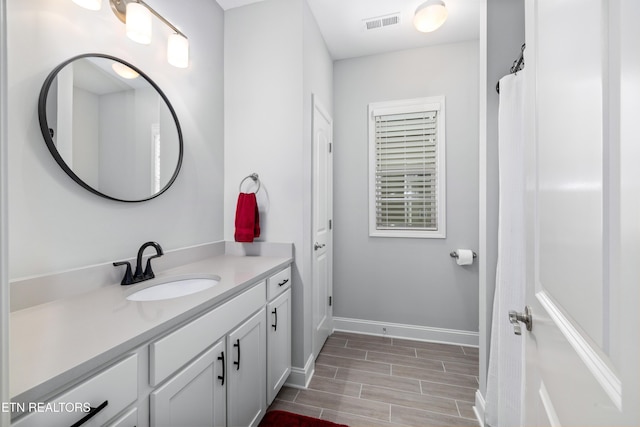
point(221, 377)
point(284, 282)
point(275, 312)
point(92, 413)
point(237, 344)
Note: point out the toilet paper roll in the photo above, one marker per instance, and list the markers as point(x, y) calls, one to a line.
point(465, 256)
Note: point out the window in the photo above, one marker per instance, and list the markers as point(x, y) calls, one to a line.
point(407, 168)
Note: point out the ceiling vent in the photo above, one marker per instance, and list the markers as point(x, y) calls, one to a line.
point(382, 21)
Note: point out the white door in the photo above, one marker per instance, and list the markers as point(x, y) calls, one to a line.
point(583, 192)
point(321, 226)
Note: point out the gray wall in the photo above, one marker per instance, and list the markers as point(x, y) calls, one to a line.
point(55, 224)
point(406, 281)
point(270, 74)
point(317, 82)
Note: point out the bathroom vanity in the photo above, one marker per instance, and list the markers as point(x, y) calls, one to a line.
point(213, 358)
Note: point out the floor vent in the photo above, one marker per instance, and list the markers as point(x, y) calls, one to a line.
point(382, 21)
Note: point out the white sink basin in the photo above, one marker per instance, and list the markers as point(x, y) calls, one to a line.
point(174, 289)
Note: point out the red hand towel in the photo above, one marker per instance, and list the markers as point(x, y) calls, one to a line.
point(247, 218)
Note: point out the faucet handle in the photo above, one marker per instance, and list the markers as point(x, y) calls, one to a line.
point(148, 272)
point(128, 276)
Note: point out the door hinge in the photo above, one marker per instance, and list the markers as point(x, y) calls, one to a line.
point(330, 146)
point(330, 224)
point(330, 301)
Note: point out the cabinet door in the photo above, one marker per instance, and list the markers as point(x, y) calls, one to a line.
point(246, 346)
point(195, 396)
point(278, 344)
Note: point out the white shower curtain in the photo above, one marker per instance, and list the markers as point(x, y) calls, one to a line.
point(504, 380)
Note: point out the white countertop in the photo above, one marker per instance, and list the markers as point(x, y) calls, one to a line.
point(53, 343)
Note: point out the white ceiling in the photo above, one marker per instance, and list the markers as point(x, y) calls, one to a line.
point(230, 4)
point(341, 24)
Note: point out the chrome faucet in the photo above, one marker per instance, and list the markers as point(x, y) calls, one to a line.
point(140, 276)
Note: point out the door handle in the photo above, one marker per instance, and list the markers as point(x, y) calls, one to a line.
point(317, 246)
point(237, 344)
point(221, 377)
point(526, 318)
point(284, 282)
point(92, 413)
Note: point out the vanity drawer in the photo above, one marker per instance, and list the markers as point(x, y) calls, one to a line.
point(170, 353)
point(278, 283)
point(117, 385)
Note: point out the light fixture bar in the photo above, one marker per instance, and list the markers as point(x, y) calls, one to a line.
point(119, 8)
point(160, 17)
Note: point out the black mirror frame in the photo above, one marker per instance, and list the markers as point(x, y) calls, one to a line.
point(44, 127)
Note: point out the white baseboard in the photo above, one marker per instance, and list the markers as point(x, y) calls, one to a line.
point(300, 377)
point(479, 408)
point(413, 332)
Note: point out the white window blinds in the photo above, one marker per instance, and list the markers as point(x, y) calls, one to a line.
point(406, 176)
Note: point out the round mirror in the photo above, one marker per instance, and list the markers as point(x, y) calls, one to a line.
point(110, 128)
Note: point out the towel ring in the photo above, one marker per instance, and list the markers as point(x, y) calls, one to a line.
point(254, 177)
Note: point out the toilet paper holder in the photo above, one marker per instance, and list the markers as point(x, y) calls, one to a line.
point(454, 254)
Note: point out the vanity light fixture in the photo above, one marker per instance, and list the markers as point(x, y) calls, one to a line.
point(430, 15)
point(136, 14)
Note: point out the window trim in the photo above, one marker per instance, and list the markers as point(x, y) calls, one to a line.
point(434, 103)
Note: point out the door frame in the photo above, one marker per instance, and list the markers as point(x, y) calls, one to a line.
point(5, 394)
point(629, 128)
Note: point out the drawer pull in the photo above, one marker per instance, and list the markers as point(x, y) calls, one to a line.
point(92, 413)
point(221, 377)
point(237, 344)
point(275, 325)
point(284, 282)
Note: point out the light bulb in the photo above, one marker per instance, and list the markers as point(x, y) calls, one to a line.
point(178, 51)
point(138, 23)
point(124, 71)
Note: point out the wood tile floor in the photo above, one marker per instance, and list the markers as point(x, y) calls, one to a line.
point(372, 381)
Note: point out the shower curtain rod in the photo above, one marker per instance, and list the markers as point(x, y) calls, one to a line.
point(518, 65)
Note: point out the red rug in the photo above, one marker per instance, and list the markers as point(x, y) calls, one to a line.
point(278, 418)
